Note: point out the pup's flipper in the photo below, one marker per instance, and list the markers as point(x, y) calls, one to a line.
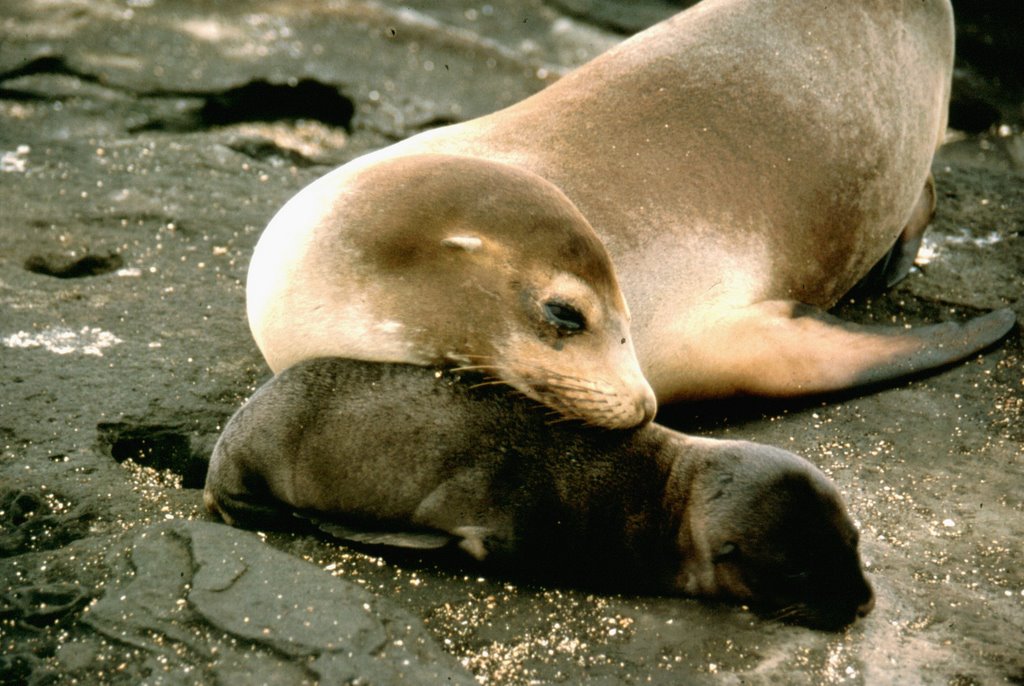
point(418, 540)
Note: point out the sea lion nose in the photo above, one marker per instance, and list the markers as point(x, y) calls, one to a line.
point(648, 407)
point(633, 409)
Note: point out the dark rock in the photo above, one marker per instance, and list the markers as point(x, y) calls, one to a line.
point(42, 605)
point(155, 445)
point(34, 520)
point(205, 597)
point(257, 101)
point(71, 265)
point(16, 668)
point(621, 17)
point(988, 86)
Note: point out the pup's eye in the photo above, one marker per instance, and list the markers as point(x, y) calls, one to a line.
point(727, 551)
point(564, 316)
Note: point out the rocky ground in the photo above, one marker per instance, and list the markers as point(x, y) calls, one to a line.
point(145, 144)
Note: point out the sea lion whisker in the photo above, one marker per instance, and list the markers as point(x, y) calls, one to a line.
point(478, 357)
point(556, 406)
point(554, 415)
point(559, 401)
point(788, 612)
point(541, 372)
point(494, 382)
point(590, 385)
point(477, 368)
point(553, 378)
point(589, 402)
point(586, 398)
point(559, 406)
point(564, 419)
point(592, 424)
point(548, 408)
point(568, 383)
point(567, 391)
point(570, 387)
point(568, 377)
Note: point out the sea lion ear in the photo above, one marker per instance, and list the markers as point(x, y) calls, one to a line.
point(467, 243)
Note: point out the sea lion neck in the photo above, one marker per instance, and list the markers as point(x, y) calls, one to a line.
point(674, 455)
point(654, 476)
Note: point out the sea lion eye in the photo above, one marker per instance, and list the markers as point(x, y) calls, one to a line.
point(728, 550)
point(564, 316)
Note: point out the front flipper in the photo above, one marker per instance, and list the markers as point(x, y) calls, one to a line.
point(463, 507)
point(784, 349)
point(456, 511)
point(471, 539)
point(417, 540)
point(895, 265)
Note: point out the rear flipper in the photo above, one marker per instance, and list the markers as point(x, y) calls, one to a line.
point(784, 349)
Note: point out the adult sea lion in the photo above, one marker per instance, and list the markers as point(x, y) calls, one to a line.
point(474, 262)
point(645, 509)
point(744, 163)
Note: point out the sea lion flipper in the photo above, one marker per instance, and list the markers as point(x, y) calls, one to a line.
point(419, 540)
point(474, 540)
point(904, 252)
point(786, 349)
point(895, 265)
point(470, 538)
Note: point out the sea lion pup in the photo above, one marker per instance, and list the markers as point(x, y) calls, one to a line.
point(745, 163)
point(410, 456)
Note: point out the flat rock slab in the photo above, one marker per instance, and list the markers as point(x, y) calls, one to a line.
point(143, 147)
point(220, 601)
point(200, 602)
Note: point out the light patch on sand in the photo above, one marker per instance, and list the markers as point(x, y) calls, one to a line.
point(309, 138)
point(15, 160)
point(211, 31)
point(931, 246)
point(90, 340)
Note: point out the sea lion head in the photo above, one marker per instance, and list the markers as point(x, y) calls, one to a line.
point(767, 528)
point(487, 266)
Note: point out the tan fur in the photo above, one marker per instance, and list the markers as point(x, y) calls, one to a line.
point(435, 259)
point(738, 161)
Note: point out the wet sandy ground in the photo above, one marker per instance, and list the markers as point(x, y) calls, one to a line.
point(141, 159)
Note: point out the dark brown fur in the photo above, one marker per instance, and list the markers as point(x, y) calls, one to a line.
point(408, 451)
